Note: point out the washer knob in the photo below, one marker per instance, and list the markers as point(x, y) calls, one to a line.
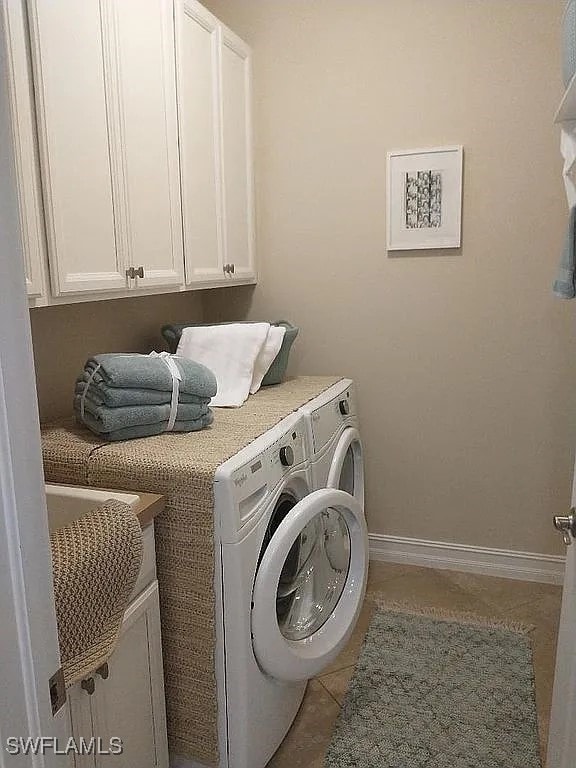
point(286, 456)
point(344, 407)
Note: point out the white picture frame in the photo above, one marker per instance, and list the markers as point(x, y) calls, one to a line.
point(424, 198)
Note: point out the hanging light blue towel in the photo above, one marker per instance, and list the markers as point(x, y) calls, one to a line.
point(564, 285)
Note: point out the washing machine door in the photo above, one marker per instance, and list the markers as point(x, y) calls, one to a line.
point(347, 467)
point(310, 585)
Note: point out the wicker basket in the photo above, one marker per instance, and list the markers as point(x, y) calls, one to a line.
point(277, 371)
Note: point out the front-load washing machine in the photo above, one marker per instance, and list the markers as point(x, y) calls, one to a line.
point(291, 567)
point(334, 444)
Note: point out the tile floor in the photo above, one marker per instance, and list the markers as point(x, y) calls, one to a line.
point(537, 604)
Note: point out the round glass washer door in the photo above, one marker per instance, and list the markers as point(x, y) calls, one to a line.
point(347, 466)
point(310, 585)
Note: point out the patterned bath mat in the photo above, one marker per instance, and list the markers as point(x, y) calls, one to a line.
point(435, 693)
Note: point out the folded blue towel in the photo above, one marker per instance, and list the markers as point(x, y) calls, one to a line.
point(144, 372)
point(103, 419)
point(564, 285)
point(144, 430)
point(114, 397)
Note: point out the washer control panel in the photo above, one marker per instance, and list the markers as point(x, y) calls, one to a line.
point(265, 470)
point(285, 453)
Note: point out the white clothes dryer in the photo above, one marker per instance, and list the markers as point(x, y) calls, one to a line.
point(291, 566)
point(334, 443)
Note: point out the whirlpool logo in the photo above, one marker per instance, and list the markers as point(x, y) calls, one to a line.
point(239, 481)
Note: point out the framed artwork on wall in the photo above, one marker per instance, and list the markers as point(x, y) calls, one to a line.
point(424, 188)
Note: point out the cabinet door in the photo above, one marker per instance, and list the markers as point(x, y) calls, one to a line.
point(82, 728)
point(130, 703)
point(237, 155)
point(70, 50)
point(146, 142)
point(197, 49)
point(25, 146)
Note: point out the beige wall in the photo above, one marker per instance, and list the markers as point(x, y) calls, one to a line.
point(65, 336)
point(465, 363)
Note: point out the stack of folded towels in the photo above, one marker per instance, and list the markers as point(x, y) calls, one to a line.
point(123, 396)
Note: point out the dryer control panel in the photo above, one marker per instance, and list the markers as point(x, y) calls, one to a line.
point(329, 417)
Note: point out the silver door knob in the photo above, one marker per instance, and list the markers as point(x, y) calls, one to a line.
point(566, 525)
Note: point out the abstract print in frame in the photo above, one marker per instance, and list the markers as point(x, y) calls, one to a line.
point(424, 198)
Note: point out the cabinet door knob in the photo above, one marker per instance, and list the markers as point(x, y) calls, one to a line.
point(88, 685)
point(104, 671)
point(132, 272)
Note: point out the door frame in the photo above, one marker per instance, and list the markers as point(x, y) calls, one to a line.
point(562, 733)
point(29, 652)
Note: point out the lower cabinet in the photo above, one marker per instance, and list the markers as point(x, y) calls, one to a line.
point(124, 700)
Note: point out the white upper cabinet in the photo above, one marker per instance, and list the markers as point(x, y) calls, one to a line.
point(25, 149)
point(148, 190)
point(214, 95)
point(133, 145)
point(73, 81)
point(198, 52)
point(237, 155)
point(106, 101)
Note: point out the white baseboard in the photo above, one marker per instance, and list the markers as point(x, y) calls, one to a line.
point(524, 566)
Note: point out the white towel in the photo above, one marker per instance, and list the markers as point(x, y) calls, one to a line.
point(568, 150)
point(230, 351)
point(267, 355)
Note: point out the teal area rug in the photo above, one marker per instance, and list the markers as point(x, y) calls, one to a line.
point(435, 693)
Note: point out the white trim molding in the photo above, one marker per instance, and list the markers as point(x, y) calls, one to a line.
point(508, 564)
point(29, 653)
